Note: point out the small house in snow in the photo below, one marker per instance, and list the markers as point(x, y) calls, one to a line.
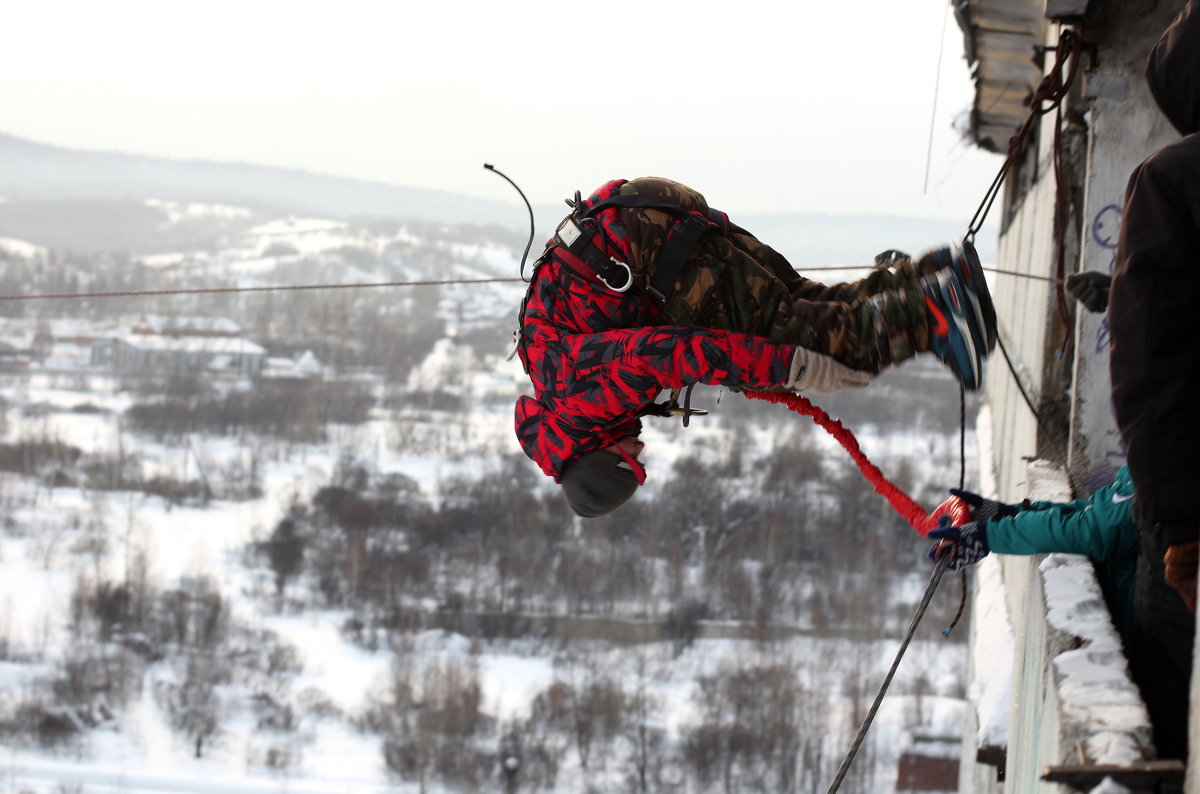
point(147, 354)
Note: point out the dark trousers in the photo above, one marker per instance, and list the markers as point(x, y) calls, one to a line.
point(1160, 651)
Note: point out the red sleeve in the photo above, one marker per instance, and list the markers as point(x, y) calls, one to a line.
point(597, 387)
point(628, 367)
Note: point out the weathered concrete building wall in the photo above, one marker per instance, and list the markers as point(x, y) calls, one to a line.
point(1110, 124)
point(1124, 126)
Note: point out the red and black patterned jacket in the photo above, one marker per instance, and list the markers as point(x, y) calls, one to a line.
point(598, 357)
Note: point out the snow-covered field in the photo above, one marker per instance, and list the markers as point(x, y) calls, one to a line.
point(136, 750)
point(60, 537)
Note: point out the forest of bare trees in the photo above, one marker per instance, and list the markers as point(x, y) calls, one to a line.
point(779, 539)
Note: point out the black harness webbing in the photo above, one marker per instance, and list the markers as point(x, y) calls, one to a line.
point(576, 237)
point(681, 239)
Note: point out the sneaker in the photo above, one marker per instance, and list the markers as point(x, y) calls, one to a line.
point(964, 260)
point(958, 330)
point(967, 259)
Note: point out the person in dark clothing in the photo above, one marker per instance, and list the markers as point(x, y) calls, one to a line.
point(1155, 358)
point(644, 287)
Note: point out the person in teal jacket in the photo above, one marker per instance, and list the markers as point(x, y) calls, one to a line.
point(1101, 528)
point(1155, 626)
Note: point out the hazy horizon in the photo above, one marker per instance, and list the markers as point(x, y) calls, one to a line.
point(772, 109)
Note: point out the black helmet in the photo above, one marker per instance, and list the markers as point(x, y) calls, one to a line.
point(597, 483)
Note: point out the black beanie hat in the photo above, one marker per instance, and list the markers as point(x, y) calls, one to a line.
point(597, 483)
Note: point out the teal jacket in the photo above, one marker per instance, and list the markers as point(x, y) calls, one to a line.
point(1101, 528)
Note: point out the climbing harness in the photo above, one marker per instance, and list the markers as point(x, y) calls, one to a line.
point(681, 238)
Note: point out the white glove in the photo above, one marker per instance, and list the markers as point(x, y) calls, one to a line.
point(816, 373)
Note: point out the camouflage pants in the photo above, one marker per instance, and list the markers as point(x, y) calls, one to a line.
point(734, 282)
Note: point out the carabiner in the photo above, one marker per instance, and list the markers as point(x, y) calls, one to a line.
point(628, 274)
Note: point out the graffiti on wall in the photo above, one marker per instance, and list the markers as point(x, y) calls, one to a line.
point(1106, 229)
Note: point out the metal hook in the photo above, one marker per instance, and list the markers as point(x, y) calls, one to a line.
point(628, 274)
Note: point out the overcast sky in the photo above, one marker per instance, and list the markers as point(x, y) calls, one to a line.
point(799, 105)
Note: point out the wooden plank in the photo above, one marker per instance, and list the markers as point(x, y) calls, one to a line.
point(1143, 776)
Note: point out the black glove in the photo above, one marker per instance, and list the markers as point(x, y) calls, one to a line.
point(1090, 288)
point(984, 509)
point(889, 258)
point(969, 541)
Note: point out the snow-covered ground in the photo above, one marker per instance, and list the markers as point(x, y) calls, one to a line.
point(57, 534)
point(137, 751)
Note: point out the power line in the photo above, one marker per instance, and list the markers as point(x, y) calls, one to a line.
point(150, 293)
point(145, 293)
point(937, 82)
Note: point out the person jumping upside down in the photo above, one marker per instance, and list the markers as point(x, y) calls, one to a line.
point(644, 287)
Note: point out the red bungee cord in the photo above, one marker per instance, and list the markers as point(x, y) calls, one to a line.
point(902, 503)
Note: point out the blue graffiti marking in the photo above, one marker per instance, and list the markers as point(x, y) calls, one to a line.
point(1103, 337)
point(1106, 230)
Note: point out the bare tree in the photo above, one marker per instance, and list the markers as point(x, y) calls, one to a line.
point(192, 704)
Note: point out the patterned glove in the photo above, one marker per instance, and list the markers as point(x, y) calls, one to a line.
point(984, 509)
point(1090, 288)
point(888, 259)
point(969, 541)
point(819, 374)
point(1180, 565)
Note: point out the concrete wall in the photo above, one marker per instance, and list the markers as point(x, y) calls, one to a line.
point(1124, 127)
point(1066, 697)
point(1121, 125)
point(1022, 307)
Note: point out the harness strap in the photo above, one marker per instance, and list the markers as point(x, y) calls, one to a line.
point(679, 244)
point(589, 262)
point(681, 239)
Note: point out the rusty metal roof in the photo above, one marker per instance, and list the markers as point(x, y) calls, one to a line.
point(1000, 39)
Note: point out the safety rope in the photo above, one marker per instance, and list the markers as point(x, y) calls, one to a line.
point(943, 560)
point(912, 512)
point(902, 503)
point(1048, 97)
point(1053, 89)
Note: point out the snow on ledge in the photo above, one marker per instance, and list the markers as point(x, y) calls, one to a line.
point(1098, 701)
point(990, 688)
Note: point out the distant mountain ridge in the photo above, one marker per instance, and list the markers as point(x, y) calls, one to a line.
point(37, 171)
point(78, 199)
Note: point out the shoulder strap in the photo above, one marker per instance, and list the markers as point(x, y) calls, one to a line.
point(681, 239)
point(637, 201)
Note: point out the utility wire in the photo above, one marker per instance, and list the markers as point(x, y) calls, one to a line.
point(148, 293)
point(142, 293)
point(937, 83)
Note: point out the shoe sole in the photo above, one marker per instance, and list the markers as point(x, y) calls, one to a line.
point(972, 270)
point(966, 362)
point(962, 261)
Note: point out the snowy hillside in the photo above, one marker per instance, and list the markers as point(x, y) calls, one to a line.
point(341, 575)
